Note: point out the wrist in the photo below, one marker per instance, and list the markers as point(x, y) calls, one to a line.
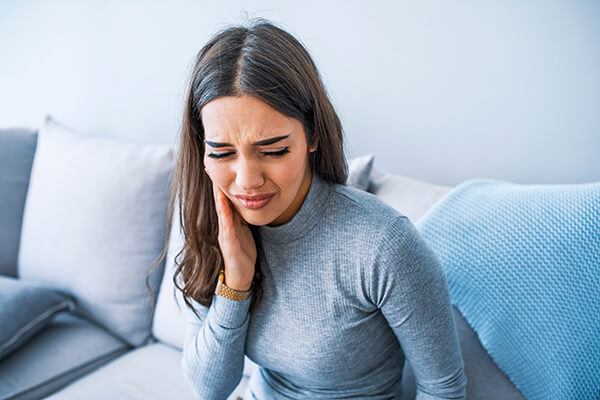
point(235, 284)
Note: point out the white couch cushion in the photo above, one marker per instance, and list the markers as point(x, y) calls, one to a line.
point(171, 314)
point(409, 196)
point(94, 221)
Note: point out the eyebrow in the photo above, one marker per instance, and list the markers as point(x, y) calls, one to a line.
point(259, 143)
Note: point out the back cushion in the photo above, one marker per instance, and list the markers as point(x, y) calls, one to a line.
point(17, 147)
point(94, 221)
point(410, 196)
point(171, 311)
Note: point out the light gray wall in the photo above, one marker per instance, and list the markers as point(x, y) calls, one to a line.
point(441, 91)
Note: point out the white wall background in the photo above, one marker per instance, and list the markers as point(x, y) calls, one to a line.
point(438, 90)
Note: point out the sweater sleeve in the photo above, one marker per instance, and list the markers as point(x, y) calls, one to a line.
point(214, 347)
point(409, 286)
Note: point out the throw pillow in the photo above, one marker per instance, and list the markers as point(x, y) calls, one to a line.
point(25, 309)
point(95, 221)
point(359, 171)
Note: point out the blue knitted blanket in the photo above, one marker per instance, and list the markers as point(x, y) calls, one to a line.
point(523, 268)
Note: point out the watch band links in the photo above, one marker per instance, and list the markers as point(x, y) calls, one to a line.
point(232, 294)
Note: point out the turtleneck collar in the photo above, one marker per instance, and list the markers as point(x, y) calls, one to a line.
point(306, 218)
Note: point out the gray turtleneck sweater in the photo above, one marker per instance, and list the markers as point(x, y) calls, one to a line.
point(351, 290)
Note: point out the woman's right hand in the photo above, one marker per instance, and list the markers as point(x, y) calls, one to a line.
point(236, 243)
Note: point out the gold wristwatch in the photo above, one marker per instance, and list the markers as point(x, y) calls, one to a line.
point(226, 291)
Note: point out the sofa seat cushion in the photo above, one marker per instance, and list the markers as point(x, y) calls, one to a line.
point(149, 372)
point(66, 349)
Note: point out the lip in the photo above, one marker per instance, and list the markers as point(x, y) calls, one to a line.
point(256, 197)
point(255, 202)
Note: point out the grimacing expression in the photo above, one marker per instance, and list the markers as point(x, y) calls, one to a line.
point(251, 149)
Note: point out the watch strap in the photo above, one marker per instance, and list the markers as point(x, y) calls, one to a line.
point(232, 294)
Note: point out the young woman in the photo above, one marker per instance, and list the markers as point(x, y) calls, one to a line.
point(324, 286)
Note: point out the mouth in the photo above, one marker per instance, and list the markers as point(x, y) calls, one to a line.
point(255, 202)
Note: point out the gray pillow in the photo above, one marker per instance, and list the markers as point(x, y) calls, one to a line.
point(17, 147)
point(359, 171)
point(26, 307)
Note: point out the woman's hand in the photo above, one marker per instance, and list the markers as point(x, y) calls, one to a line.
point(236, 243)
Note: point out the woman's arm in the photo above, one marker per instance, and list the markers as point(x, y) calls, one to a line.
point(213, 349)
point(214, 346)
point(409, 285)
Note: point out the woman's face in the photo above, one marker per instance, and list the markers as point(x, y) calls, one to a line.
point(242, 167)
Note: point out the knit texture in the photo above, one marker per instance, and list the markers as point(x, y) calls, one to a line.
point(523, 266)
point(351, 290)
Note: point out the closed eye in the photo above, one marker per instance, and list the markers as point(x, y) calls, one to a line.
point(264, 153)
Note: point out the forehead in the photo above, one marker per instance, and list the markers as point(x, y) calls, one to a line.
point(244, 119)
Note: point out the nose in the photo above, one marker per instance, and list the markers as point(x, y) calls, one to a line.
point(248, 175)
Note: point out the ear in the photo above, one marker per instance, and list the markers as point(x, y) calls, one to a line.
point(314, 146)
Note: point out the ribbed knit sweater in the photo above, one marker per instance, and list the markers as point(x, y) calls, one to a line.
point(351, 291)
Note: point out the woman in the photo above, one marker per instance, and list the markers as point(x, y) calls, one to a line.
point(324, 286)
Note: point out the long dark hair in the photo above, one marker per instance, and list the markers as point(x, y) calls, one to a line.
point(264, 61)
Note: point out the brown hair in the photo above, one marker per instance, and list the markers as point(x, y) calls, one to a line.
point(264, 61)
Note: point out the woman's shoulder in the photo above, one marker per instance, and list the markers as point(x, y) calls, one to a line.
point(388, 236)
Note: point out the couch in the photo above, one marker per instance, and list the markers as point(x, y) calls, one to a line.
point(85, 217)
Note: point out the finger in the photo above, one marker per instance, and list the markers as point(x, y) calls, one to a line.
point(226, 210)
point(215, 196)
point(223, 211)
point(237, 219)
point(217, 204)
point(218, 200)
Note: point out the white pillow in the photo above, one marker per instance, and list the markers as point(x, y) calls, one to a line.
point(94, 221)
point(409, 196)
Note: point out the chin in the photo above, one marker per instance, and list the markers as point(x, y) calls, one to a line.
point(255, 217)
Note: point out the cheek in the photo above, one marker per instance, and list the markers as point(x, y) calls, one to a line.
point(217, 174)
point(288, 174)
